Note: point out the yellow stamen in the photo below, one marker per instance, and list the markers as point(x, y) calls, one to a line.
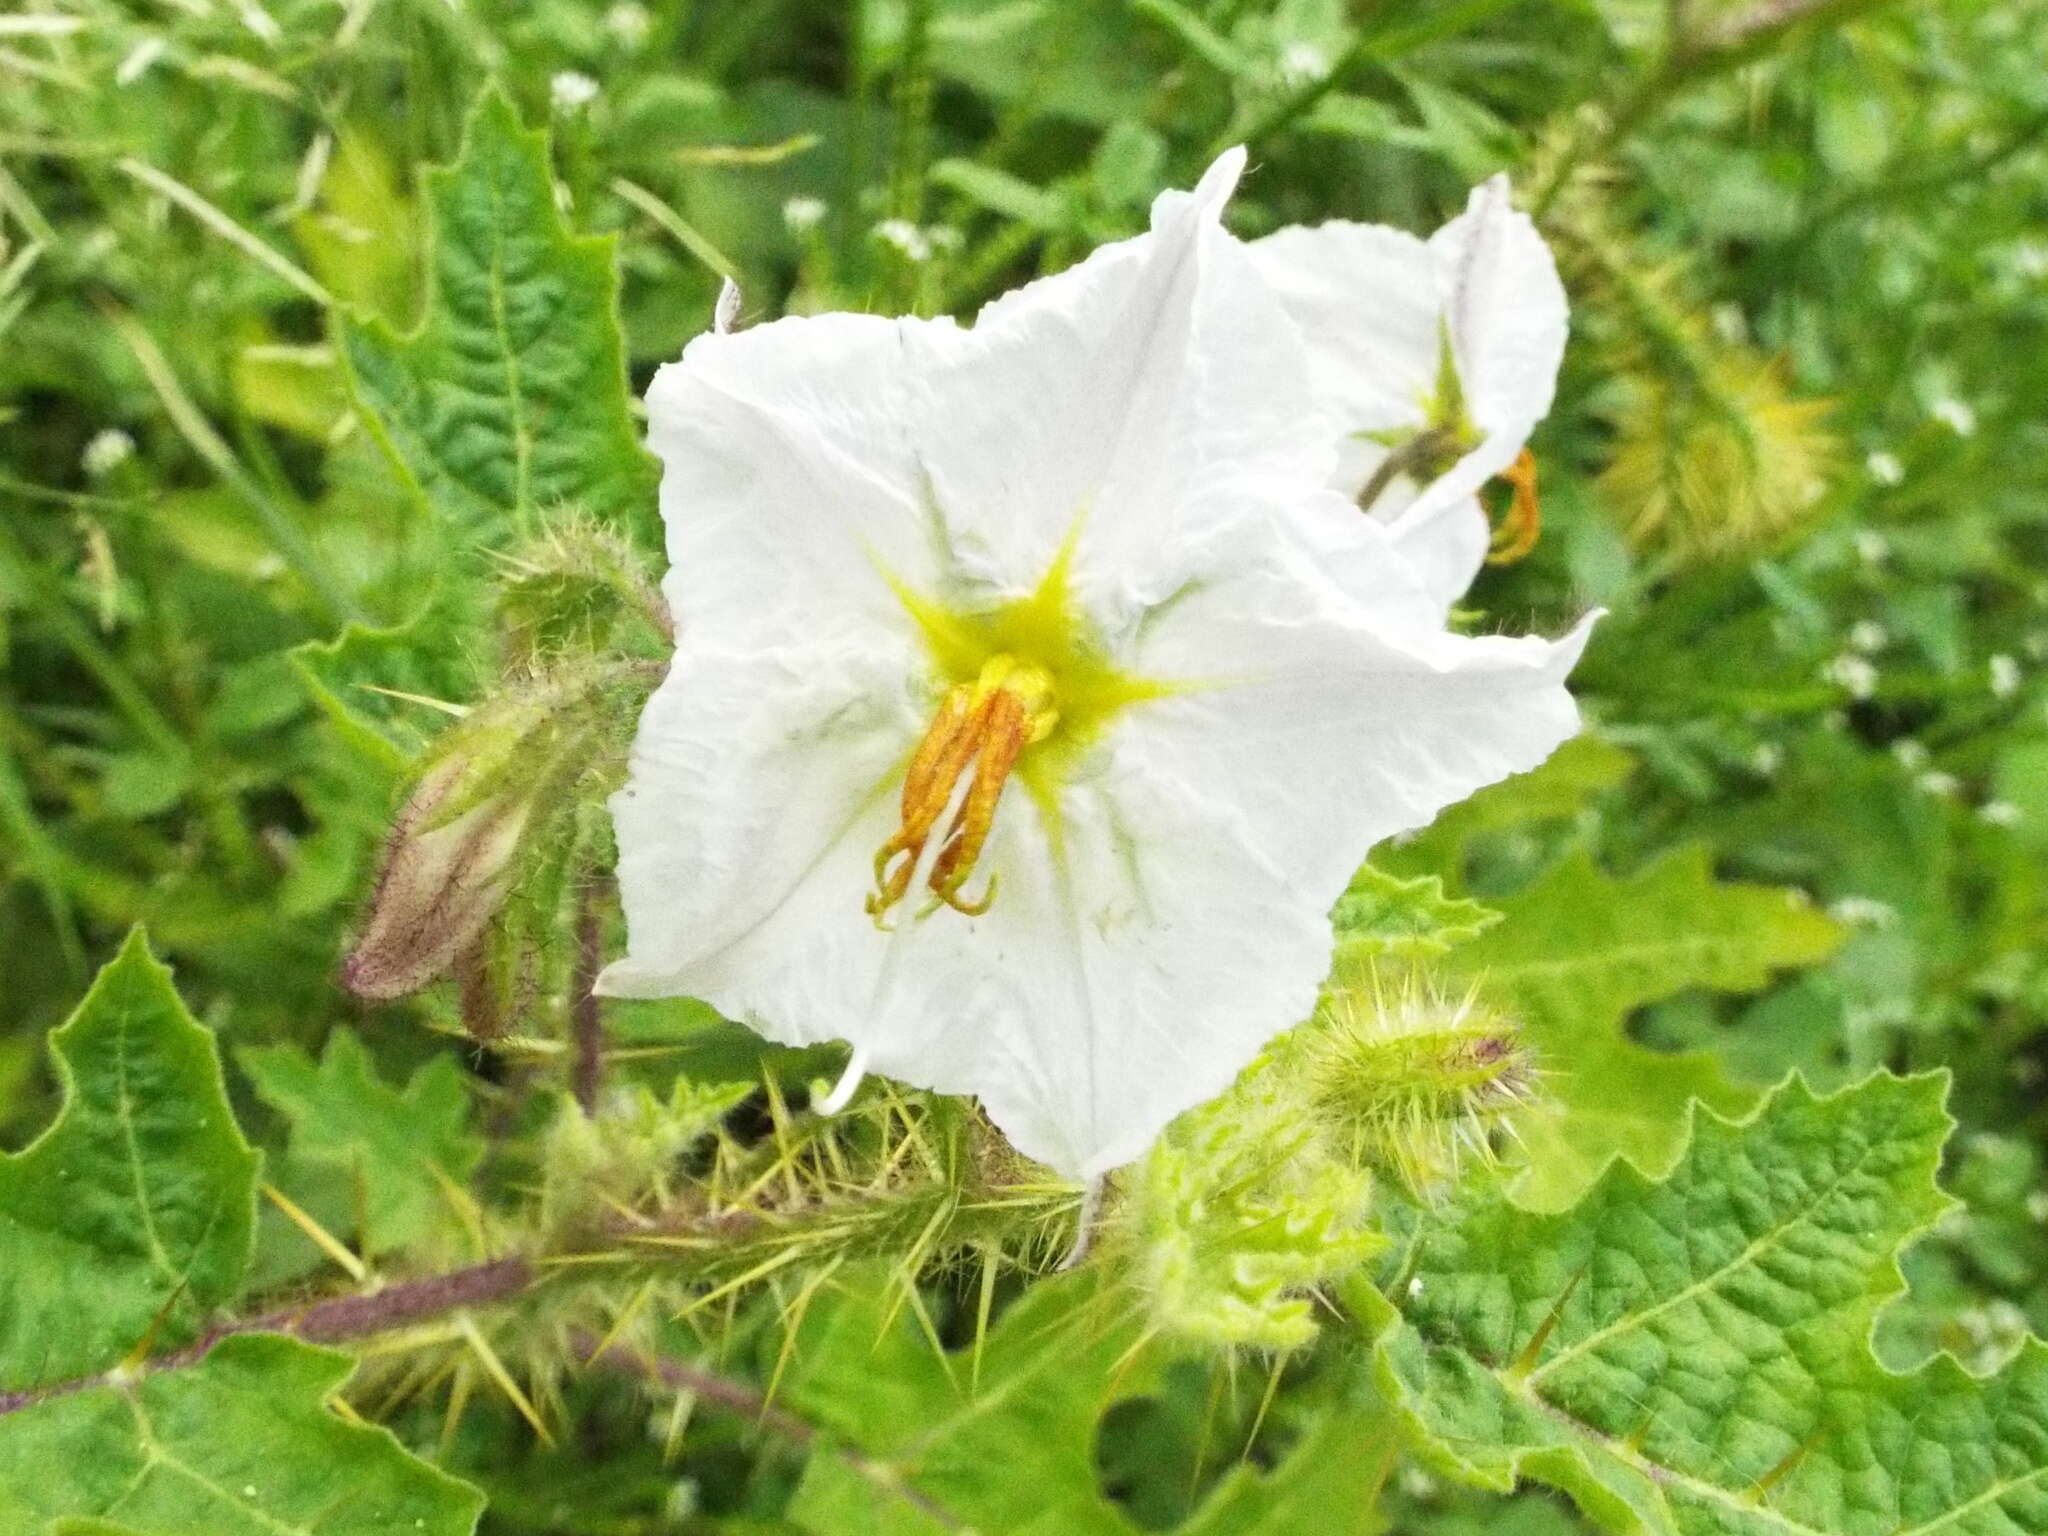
point(981, 728)
point(1523, 523)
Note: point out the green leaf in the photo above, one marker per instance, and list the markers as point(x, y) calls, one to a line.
point(130, 1218)
point(1006, 1445)
point(1578, 950)
point(1383, 915)
point(1329, 1484)
point(511, 398)
point(916, 1443)
point(1693, 1356)
point(1557, 789)
point(391, 1143)
point(370, 682)
point(240, 1444)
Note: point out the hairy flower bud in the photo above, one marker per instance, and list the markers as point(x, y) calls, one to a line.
point(495, 811)
point(446, 869)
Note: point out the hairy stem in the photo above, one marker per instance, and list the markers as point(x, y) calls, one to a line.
point(586, 1015)
point(336, 1320)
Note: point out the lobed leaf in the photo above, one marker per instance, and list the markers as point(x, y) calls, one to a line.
point(1580, 949)
point(241, 1444)
point(129, 1220)
point(403, 1147)
point(1693, 1356)
point(510, 400)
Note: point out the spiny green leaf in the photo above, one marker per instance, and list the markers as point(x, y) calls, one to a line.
point(392, 1142)
point(240, 1444)
point(1578, 950)
point(130, 1219)
point(511, 398)
point(1329, 1484)
point(1693, 1356)
point(1005, 1446)
point(1381, 914)
point(918, 1443)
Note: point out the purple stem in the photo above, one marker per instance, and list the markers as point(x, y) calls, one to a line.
point(333, 1321)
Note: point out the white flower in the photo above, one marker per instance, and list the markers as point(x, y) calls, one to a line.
point(1435, 358)
point(906, 237)
point(1912, 755)
point(2030, 258)
point(1302, 63)
point(1867, 636)
point(1942, 786)
point(629, 22)
point(1956, 415)
point(1853, 674)
point(1035, 698)
point(1767, 758)
point(1885, 468)
point(1863, 912)
point(106, 452)
point(570, 91)
point(1872, 547)
point(803, 214)
point(2005, 676)
point(2000, 813)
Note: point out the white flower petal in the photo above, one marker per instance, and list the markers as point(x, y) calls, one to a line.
point(1445, 548)
point(1368, 304)
point(1373, 306)
point(1163, 901)
point(751, 769)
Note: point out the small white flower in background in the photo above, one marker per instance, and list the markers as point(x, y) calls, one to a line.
point(106, 452)
point(2000, 813)
point(1035, 696)
point(1731, 324)
point(1863, 912)
point(1767, 758)
point(1867, 635)
point(2036, 645)
point(1885, 468)
point(2030, 258)
point(906, 237)
point(1435, 360)
point(2037, 1205)
point(571, 91)
point(1943, 786)
point(803, 214)
point(1872, 547)
point(1955, 415)
point(1912, 755)
point(1853, 674)
point(2005, 676)
point(1303, 63)
point(629, 22)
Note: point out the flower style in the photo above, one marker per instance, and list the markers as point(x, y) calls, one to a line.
point(1436, 358)
point(1035, 696)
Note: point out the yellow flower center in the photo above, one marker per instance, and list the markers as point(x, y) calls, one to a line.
point(1025, 689)
point(981, 728)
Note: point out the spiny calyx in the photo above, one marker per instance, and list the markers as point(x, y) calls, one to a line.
point(980, 730)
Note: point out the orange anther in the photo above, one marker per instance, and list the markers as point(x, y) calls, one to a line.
point(1522, 524)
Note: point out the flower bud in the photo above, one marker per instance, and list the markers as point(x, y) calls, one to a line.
point(1408, 1079)
point(447, 868)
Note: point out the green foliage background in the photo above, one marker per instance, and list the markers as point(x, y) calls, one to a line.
point(255, 529)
